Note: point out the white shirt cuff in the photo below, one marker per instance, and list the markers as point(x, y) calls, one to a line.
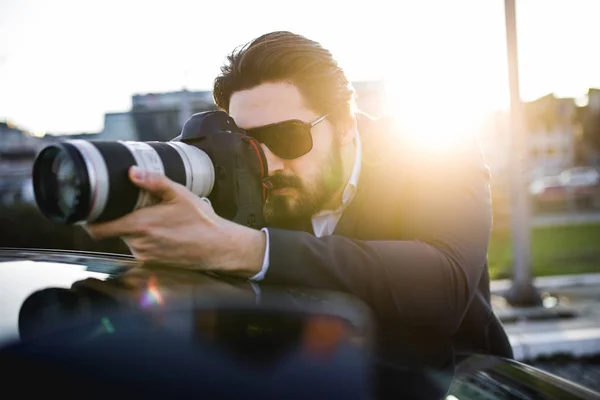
point(265, 265)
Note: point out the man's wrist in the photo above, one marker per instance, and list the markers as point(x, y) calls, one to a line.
point(247, 253)
point(266, 259)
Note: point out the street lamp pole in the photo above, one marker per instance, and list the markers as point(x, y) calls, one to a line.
point(522, 291)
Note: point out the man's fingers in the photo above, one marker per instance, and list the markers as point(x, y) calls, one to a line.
point(157, 184)
point(128, 225)
point(141, 222)
point(136, 223)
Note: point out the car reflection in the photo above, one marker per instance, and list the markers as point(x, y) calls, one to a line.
point(98, 325)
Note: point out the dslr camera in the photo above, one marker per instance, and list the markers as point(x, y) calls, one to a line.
point(80, 181)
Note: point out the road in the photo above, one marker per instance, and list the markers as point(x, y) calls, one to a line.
point(566, 347)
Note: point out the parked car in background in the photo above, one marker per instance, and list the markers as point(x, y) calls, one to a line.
point(580, 176)
point(584, 184)
point(548, 193)
point(574, 188)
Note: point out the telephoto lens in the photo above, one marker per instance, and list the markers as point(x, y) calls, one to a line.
point(78, 181)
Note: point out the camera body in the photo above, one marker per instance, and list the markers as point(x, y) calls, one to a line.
point(78, 181)
point(240, 166)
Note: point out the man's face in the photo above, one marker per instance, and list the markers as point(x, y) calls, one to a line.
point(301, 186)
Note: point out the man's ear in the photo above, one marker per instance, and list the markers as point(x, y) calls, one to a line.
point(348, 131)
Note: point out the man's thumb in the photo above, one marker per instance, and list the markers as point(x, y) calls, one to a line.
point(157, 184)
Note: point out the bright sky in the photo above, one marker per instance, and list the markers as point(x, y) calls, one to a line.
point(64, 63)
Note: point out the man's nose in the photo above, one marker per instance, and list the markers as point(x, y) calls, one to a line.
point(274, 163)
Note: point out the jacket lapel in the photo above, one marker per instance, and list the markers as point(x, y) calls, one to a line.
point(351, 216)
point(347, 225)
point(378, 184)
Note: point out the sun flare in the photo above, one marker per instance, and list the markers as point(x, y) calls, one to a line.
point(438, 121)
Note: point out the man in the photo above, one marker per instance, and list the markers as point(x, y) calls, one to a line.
point(355, 207)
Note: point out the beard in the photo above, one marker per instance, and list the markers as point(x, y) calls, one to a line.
point(308, 198)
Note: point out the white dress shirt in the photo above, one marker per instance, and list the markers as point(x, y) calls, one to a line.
point(324, 222)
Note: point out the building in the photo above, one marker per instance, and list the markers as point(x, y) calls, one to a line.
point(118, 126)
point(594, 100)
point(160, 116)
point(552, 129)
point(589, 153)
point(552, 126)
point(177, 100)
point(17, 152)
point(14, 140)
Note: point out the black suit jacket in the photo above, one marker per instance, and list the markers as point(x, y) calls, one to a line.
point(412, 245)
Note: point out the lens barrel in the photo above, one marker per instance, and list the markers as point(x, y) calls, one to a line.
point(78, 181)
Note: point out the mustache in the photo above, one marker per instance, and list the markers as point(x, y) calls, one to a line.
point(280, 181)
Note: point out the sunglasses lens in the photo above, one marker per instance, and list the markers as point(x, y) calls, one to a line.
point(290, 139)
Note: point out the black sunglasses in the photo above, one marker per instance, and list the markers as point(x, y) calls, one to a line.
point(288, 139)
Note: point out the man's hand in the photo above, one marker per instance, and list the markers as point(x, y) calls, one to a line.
point(183, 229)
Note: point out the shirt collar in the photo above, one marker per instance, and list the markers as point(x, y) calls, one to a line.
point(352, 184)
point(350, 189)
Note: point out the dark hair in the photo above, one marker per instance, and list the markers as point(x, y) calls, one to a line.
point(287, 57)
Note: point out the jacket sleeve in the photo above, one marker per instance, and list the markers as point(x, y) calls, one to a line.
point(426, 281)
